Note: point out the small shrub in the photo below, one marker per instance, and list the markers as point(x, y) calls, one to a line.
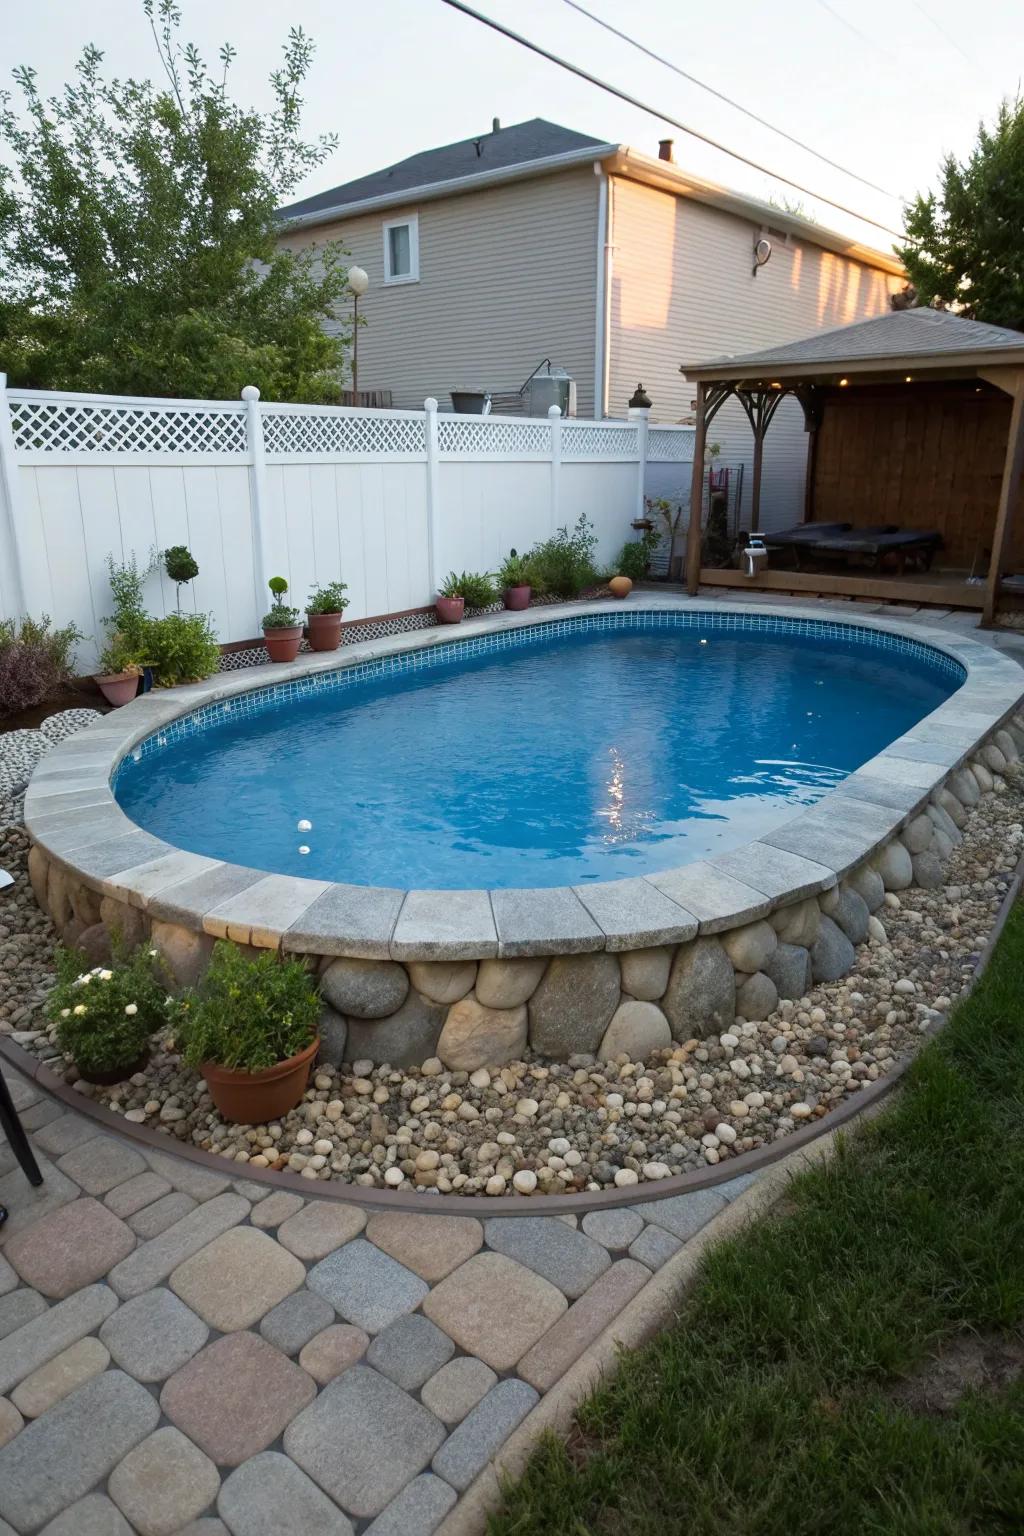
point(477, 590)
point(248, 1014)
point(564, 564)
point(127, 580)
point(328, 599)
point(182, 648)
point(35, 662)
point(118, 655)
point(280, 615)
point(635, 556)
point(514, 571)
point(181, 566)
point(106, 1017)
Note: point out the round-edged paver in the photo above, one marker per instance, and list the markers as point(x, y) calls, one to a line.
point(319, 1228)
point(333, 1351)
point(276, 1208)
point(95, 1515)
point(296, 1320)
point(236, 1279)
point(365, 1286)
point(67, 1371)
point(70, 1248)
point(566, 1257)
point(235, 1397)
point(163, 1483)
point(410, 1351)
point(458, 1387)
point(154, 1335)
point(431, 1246)
point(494, 1308)
point(270, 1495)
point(615, 1229)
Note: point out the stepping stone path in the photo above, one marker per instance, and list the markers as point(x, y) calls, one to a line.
point(187, 1354)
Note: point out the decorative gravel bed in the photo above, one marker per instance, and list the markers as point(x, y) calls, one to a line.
point(554, 1127)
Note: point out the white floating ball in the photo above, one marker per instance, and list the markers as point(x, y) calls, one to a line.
point(305, 826)
point(303, 847)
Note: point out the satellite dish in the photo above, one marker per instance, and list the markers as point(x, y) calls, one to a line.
point(762, 251)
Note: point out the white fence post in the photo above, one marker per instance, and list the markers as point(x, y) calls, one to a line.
point(433, 493)
point(8, 501)
point(555, 418)
point(258, 492)
point(641, 414)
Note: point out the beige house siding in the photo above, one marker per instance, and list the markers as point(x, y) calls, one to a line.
point(508, 276)
point(682, 289)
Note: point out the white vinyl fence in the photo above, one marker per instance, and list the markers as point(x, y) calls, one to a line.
point(388, 501)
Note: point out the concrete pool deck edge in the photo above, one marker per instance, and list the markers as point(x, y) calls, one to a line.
point(73, 818)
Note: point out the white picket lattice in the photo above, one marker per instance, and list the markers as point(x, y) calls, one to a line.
point(488, 437)
point(592, 440)
point(670, 444)
point(338, 434)
point(73, 427)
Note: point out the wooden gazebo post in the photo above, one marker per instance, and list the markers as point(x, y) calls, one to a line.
point(1009, 501)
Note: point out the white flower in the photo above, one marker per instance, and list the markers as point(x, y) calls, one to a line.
point(106, 975)
point(132, 1009)
point(65, 1013)
point(80, 1009)
point(82, 981)
point(152, 954)
point(96, 970)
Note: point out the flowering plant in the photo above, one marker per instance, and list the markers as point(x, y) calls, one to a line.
point(106, 1016)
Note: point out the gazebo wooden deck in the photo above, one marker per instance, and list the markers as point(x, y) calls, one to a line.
point(916, 419)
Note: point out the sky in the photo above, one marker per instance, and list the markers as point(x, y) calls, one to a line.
point(884, 87)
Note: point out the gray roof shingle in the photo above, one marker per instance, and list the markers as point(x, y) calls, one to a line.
point(508, 147)
point(901, 333)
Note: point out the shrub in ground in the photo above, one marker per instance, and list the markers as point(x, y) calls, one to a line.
point(564, 564)
point(35, 662)
point(106, 1016)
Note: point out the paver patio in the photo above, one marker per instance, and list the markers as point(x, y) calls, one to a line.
point(181, 1352)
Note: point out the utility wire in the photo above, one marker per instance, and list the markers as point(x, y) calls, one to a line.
point(950, 39)
point(721, 96)
point(635, 101)
point(869, 42)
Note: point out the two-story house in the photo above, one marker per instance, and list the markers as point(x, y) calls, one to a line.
point(534, 241)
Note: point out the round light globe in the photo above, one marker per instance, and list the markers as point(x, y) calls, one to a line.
point(358, 281)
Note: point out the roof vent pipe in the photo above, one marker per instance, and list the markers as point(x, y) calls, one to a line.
point(665, 148)
point(495, 124)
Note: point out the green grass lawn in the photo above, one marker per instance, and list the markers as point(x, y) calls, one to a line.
point(795, 1393)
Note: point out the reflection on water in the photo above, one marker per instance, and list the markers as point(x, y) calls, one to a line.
point(586, 758)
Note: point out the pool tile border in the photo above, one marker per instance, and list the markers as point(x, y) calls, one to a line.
point(95, 840)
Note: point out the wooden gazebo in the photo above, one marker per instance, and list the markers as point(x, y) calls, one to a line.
point(915, 418)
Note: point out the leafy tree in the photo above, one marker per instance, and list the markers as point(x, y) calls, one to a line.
point(968, 251)
point(137, 234)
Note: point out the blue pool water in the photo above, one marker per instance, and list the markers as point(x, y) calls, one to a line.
point(590, 755)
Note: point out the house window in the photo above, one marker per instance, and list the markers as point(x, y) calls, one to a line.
point(402, 250)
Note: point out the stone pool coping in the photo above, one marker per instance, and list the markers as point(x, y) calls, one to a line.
point(71, 814)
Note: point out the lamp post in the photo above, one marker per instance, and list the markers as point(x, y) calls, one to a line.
point(358, 283)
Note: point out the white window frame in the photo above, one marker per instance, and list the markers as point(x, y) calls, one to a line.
point(412, 222)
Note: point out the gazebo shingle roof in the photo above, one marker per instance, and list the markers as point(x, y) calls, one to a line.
point(922, 333)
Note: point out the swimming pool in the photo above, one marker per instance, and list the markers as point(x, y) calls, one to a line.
point(564, 754)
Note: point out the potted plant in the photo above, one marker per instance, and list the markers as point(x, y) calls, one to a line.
point(514, 581)
point(106, 1016)
point(451, 604)
point(324, 609)
point(120, 669)
point(282, 634)
point(250, 1029)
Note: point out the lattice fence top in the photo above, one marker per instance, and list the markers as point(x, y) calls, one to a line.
point(585, 440)
point(489, 436)
point(670, 444)
point(76, 427)
point(337, 435)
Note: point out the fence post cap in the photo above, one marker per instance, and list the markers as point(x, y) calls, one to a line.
point(430, 404)
point(554, 410)
point(250, 392)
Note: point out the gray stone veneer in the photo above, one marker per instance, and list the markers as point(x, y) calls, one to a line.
point(475, 976)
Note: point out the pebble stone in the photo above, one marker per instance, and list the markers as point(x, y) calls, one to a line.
point(153, 1335)
point(457, 1387)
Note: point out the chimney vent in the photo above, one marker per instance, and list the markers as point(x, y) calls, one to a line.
point(495, 124)
point(665, 149)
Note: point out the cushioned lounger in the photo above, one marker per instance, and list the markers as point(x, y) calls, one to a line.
point(804, 533)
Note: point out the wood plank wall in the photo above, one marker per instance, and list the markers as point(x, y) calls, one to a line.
point(918, 455)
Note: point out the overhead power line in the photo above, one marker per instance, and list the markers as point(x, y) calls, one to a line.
point(643, 106)
point(721, 96)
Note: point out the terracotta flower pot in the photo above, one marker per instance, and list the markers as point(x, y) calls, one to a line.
point(283, 644)
point(254, 1098)
point(114, 1074)
point(118, 687)
point(450, 609)
point(517, 598)
point(620, 586)
point(324, 631)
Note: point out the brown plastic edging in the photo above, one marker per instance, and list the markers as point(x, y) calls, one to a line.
point(423, 1203)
